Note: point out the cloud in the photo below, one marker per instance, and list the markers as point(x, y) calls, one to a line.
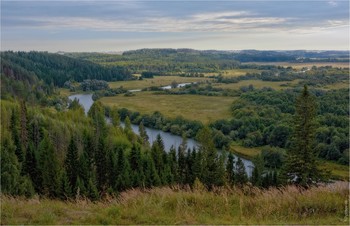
point(333, 3)
point(214, 21)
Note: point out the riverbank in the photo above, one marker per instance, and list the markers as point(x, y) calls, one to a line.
point(289, 205)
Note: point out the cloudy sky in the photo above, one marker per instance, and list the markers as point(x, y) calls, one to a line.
point(126, 24)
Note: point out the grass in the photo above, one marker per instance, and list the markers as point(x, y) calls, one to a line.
point(248, 205)
point(248, 153)
point(234, 72)
point(156, 81)
point(192, 107)
point(257, 84)
point(340, 172)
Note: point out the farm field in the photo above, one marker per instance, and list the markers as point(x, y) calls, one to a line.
point(156, 81)
point(192, 107)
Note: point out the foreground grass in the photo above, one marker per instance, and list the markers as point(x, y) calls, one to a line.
point(289, 205)
point(192, 107)
point(156, 81)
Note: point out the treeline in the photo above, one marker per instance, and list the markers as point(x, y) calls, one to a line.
point(56, 69)
point(264, 117)
point(66, 154)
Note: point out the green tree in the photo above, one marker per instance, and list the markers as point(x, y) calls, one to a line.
point(301, 165)
point(72, 162)
point(258, 171)
point(49, 167)
point(240, 173)
point(143, 134)
point(230, 171)
point(213, 172)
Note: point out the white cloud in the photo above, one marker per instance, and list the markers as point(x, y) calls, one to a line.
point(333, 3)
point(216, 22)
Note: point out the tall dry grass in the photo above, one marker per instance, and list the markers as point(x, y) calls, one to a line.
point(178, 205)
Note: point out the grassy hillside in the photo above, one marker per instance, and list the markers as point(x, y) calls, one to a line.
point(289, 205)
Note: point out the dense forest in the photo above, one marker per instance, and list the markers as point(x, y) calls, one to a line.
point(56, 69)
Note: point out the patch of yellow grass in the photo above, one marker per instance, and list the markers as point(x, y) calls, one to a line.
point(245, 152)
point(156, 81)
point(248, 205)
point(234, 72)
point(192, 107)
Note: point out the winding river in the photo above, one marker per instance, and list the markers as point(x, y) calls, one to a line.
point(169, 139)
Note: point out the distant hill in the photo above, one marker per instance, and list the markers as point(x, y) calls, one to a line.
point(56, 68)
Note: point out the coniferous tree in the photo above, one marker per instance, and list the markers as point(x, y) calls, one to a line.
point(181, 165)
point(24, 124)
point(10, 172)
point(212, 168)
point(301, 165)
point(101, 165)
point(258, 171)
point(14, 124)
point(230, 171)
point(173, 164)
point(136, 166)
point(143, 134)
point(30, 167)
point(49, 168)
point(65, 189)
point(114, 116)
point(72, 163)
point(123, 172)
point(240, 173)
point(91, 191)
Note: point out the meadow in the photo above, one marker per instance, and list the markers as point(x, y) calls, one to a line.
point(193, 107)
point(156, 81)
point(173, 205)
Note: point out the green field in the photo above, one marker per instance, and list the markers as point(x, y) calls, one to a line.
point(156, 81)
point(288, 205)
point(192, 107)
point(257, 84)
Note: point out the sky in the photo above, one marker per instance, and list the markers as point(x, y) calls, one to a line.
point(110, 26)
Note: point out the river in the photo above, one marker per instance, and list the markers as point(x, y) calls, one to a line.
point(169, 139)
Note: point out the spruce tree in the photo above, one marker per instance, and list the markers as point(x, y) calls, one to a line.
point(24, 124)
point(14, 125)
point(213, 173)
point(49, 168)
point(101, 165)
point(72, 162)
point(30, 167)
point(301, 165)
point(143, 134)
point(173, 164)
point(114, 116)
point(256, 178)
point(65, 188)
point(240, 173)
point(230, 171)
